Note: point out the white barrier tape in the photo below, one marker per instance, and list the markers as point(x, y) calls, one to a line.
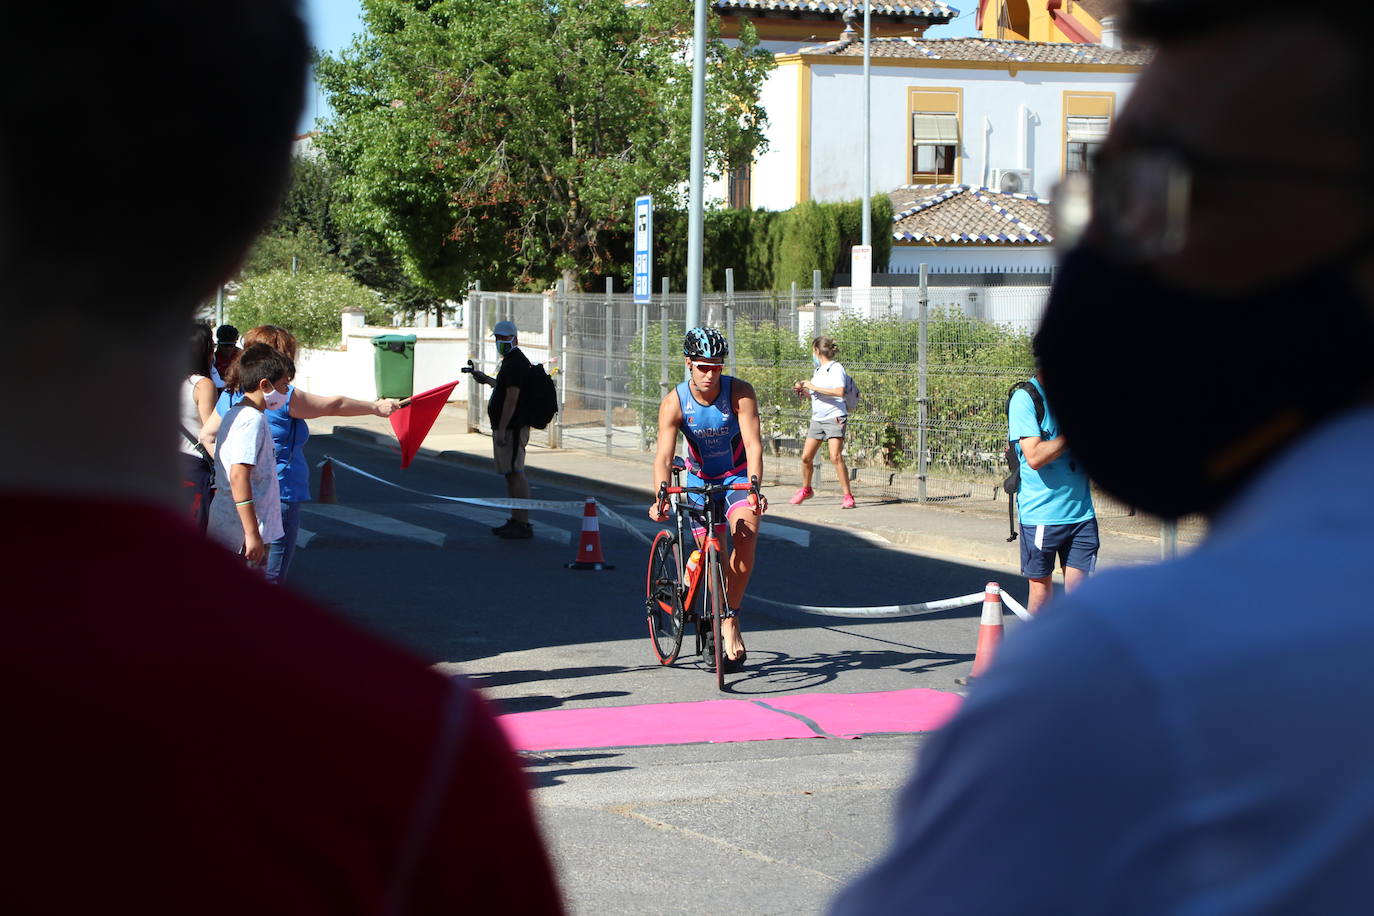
point(498, 502)
point(1016, 607)
point(495, 502)
point(886, 610)
point(623, 523)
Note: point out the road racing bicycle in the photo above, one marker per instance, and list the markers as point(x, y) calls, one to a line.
point(682, 590)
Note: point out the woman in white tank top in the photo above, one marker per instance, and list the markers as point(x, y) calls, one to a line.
point(828, 416)
point(197, 406)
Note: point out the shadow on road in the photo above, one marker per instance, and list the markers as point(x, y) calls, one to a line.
point(550, 770)
point(480, 599)
point(536, 703)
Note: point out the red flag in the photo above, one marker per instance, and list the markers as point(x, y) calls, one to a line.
point(414, 421)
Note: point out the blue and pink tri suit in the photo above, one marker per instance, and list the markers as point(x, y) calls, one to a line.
point(715, 448)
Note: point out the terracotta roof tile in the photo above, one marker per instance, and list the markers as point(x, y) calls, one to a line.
point(960, 214)
point(937, 10)
point(985, 49)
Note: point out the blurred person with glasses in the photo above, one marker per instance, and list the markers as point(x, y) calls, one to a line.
point(1193, 736)
point(718, 416)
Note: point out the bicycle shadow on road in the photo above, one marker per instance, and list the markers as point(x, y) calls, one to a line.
point(772, 672)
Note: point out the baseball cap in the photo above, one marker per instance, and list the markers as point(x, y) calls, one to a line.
point(504, 329)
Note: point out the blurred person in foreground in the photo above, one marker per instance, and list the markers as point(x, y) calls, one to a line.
point(180, 736)
point(1193, 737)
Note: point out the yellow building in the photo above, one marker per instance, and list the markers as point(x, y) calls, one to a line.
point(1077, 21)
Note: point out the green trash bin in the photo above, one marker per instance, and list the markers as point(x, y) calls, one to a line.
point(394, 365)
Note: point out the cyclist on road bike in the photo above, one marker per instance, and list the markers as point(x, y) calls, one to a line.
point(718, 415)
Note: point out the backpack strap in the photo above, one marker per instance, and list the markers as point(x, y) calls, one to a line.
point(195, 444)
point(1037, 401)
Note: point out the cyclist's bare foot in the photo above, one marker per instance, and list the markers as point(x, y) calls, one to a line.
point(734, 646)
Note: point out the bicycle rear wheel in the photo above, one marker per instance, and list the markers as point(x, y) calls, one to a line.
point(715, 608)
point(663, 599)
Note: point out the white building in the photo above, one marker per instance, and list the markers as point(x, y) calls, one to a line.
point(963, 114)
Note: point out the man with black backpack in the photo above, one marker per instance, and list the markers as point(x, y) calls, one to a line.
point(510, 431)
point(1052, 493)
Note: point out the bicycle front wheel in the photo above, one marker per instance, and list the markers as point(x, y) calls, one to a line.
point(663, 601)
point(715, 607)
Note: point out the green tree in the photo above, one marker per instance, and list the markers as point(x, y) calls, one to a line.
point(507, 142)
point(308, 303)
point(308, 235)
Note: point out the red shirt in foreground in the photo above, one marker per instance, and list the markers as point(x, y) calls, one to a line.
point(182, 737)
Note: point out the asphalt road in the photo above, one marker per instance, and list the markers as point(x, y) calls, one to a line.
point(743, 827)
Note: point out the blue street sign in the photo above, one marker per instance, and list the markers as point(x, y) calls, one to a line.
point(644, 248)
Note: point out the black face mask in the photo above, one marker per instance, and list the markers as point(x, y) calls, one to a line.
point(1170, 399)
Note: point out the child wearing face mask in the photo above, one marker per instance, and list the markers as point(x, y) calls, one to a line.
point(246, 512)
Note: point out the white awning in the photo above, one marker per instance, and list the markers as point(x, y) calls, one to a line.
point(1087, 130)
point(939, 128)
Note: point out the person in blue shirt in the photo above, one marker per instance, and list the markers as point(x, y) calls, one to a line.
point(1192, 736)
point(1055, 501)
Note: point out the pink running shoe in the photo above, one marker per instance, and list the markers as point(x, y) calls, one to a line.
point(847, 502)
point(801, 496)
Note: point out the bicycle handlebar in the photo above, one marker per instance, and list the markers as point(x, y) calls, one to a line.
point(664, 491)
point(708, 490)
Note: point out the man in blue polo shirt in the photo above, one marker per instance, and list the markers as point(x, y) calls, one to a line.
point(1055, 502)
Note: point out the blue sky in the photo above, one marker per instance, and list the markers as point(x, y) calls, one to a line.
point(333, 23)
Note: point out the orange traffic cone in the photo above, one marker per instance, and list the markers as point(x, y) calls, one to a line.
point(989, 632)
point(327, 494)
point(589, 546)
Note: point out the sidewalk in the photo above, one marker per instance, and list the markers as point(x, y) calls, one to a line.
point(967, 533)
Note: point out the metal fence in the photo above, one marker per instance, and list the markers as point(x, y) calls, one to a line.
point(934, 365)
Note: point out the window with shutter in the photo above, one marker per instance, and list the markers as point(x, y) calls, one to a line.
point(1087, 118)
point(935, 115)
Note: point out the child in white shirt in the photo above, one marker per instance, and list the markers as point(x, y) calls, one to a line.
point(246, 511)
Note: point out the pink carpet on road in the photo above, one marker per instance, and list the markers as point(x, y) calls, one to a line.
point(847, 714)
point(656, 723)
point(718, 721)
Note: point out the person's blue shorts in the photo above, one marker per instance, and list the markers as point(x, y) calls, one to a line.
point(728, 504)
point(1073, 545)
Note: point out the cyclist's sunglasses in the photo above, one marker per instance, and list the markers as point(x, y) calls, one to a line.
point(708, 367)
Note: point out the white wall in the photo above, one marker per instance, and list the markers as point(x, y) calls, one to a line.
point(773, 182)
point(837, 126)
point(440, 354)
point(1015, 306)
point(981, 258)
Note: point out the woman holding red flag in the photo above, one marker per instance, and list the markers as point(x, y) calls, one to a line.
point(286, 420)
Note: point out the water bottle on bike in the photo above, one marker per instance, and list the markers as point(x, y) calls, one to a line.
point(693, 568)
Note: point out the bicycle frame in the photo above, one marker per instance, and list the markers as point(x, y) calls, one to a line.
point(707, 620)
point(682, 512)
